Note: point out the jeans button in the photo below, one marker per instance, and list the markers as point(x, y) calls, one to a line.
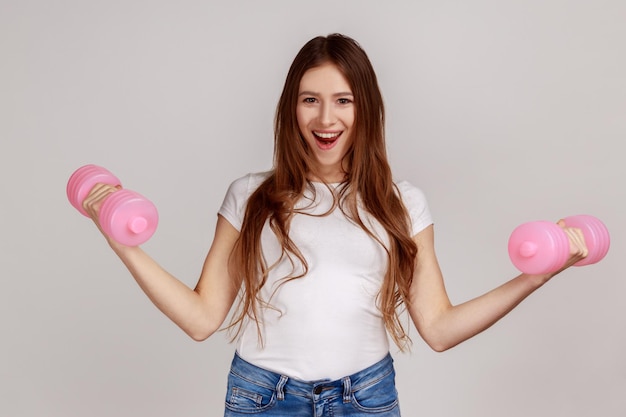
point(318, 390)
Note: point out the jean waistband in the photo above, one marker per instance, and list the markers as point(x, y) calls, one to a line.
point(312, 389)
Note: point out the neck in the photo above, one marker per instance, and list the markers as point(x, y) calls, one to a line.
point(328, 174)
point(334, 177)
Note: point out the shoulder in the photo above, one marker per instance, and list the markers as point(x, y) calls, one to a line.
point(234, 205)
point(244, 186)
point(409, 193)
point(415, 202)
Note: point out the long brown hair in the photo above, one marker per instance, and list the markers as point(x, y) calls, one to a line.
point(368, 184)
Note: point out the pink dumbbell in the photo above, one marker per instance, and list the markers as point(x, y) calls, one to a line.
point(125, 216)
point(542, 247)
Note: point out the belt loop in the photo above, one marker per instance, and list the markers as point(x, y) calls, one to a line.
point(347, 389)
point(280, 393)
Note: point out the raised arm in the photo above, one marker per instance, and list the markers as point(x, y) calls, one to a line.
point(198, 312)
point(442, 325)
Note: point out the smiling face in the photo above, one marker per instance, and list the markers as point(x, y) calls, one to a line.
point(325, 113)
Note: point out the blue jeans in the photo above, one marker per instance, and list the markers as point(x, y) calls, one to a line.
point(256, 391)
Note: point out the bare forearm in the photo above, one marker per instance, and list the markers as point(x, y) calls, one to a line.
point(198, 312)
point(175, 299)
point(461, 322)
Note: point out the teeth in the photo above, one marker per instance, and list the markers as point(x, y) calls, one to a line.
point(327, 135)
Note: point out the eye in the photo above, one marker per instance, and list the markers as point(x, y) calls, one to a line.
point(344, 101)
point(309, 100)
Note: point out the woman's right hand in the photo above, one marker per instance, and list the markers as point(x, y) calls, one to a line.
point(93, 201)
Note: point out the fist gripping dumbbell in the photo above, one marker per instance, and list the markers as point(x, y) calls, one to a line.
point(542, 247)
point(125, 216)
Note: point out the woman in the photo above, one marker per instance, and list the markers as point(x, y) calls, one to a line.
point(326, 252)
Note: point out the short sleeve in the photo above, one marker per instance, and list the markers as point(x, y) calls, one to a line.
point(415, 202)
point(233, 207)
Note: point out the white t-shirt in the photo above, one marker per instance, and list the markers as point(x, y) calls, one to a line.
point(325, 324)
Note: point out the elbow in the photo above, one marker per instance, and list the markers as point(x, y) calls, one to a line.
point(434, 331)
point(437, 341)
point(438, 346)
point(198, 336)
point(201, 333)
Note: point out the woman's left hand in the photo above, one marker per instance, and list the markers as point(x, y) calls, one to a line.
point(577, 247)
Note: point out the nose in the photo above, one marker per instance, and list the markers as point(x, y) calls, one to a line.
point(327, 115)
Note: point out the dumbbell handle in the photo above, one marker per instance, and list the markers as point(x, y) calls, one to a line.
point(543, 247)
point(125, 215)
point(83, 180)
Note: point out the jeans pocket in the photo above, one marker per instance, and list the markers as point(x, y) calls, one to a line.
point(245, 396)
point(378, 397)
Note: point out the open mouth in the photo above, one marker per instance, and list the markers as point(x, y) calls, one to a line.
point(326, 140)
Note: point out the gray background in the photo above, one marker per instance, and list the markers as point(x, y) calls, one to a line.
point(501, 111)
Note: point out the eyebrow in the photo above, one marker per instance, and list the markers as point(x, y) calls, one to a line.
point(313, 93)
